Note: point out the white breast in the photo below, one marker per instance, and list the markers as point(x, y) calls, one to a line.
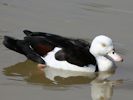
point(52, 62)
point(105, 64)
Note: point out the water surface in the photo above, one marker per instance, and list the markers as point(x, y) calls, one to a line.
point(72, 18)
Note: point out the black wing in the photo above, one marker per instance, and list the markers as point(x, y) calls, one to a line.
point(59, 39)
point(75, 51)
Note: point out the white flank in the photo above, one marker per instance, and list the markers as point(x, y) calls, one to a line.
point(52, 62)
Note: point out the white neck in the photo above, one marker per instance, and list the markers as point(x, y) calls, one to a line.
point(104, 64)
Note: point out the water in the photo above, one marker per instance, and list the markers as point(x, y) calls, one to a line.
point(20, 79)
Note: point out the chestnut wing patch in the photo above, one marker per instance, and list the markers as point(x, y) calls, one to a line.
point(40, 44)
point(43, 49)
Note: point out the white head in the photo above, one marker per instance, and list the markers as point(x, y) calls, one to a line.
point(102, 46)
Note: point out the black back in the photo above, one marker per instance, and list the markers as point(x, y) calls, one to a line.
point(75, 51)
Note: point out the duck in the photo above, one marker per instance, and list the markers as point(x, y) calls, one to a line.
point(66, 53)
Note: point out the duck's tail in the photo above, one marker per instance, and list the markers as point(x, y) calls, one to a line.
point(13, 44)
point(22, 47)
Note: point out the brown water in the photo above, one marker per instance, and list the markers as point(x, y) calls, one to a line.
point(21, 80)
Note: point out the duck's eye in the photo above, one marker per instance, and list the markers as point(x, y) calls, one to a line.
point(103, 45)
point(113, 52)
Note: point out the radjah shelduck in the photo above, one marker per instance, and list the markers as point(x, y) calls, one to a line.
point(66, 53)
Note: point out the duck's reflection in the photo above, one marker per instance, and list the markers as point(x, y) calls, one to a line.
point(101, 88)
point(31, 74)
